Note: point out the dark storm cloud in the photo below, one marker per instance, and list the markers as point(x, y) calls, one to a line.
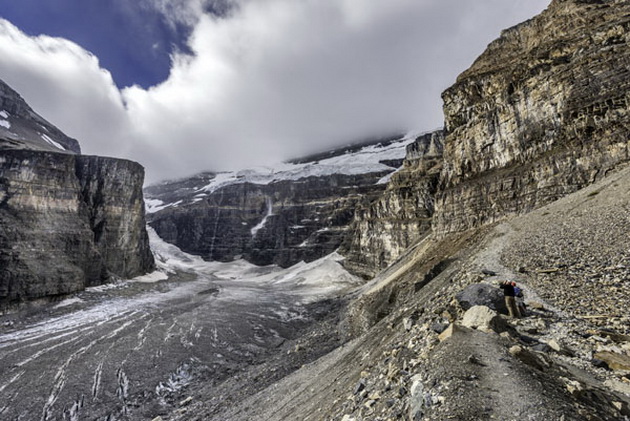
point(266, 80)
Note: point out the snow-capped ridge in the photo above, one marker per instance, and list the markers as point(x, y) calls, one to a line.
point(368, 159)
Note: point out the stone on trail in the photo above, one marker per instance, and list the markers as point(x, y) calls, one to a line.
point(439, 327)
point(186, 401)
point(482, 295)
point(484, 319)
point(560, 348)
point(452, 330)
point(360, 386)
point(530, 358)
point(614, 360)
point(416, 401)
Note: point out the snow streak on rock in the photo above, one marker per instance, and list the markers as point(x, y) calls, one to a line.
point(264, 220)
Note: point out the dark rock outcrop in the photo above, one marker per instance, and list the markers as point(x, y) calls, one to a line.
point(111, 195)
point(23, 128)
point(385, 228)
point(542, 113)
point(482, 295)
point(67, 221)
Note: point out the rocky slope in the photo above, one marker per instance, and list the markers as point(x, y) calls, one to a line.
point(542, 113)
point(296, 211)
point(67, 221)
point(420, 355)
point(402, 215)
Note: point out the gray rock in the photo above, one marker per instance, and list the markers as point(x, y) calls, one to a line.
point(599, 363)
point(482, 295)
point(541, 347)
point(416, 399)
point(530, 358)
point(439, 327)
point(360, 386)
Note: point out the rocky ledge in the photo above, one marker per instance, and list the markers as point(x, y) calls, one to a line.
point(541, 113)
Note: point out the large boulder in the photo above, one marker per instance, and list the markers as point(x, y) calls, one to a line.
point(482, 295)
point(484, 319)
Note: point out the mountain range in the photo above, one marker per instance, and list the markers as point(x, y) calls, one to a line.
point(527, 181)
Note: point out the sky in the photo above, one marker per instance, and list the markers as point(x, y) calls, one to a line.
point(184, 86)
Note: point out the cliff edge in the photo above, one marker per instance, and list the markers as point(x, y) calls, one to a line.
point(67, 221)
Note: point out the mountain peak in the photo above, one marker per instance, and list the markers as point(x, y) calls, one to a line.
point(23, 128)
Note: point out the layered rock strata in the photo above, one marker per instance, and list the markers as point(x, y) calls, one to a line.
point(282, 223)
point(67, 222)
point(299, 210)
point(542, 112)
point(385, 228)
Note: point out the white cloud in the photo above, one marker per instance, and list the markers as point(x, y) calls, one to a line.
point(274, 79)
point(65, 84)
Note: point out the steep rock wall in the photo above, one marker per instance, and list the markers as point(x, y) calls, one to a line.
point(283, 222)
point(542, 113)
point(67, 222)
point(111, 196)
point(383, 229)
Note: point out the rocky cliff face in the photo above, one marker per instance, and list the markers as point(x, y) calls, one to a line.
point(542, 113)
point(298, 211)
point(66, 221)
point(401, 216)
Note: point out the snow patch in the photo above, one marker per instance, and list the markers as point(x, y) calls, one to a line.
point(68, 302)
point(312, 281)
point(52, 142)
point(151, 278)
point(321, 278)
point(156, 205)
point(4, 123)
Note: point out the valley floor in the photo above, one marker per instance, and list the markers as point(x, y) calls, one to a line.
point(136, 350)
